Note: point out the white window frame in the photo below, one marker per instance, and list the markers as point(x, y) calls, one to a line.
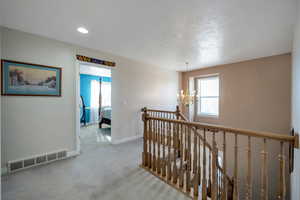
point(198, 103)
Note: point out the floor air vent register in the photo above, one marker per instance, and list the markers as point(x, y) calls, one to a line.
point(18, 165)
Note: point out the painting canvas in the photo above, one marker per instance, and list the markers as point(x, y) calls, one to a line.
point(26, 79)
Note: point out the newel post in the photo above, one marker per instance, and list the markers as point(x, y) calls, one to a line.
point(145, 137)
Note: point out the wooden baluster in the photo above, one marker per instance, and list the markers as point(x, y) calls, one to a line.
point(224, 191)
point(186, 144)
point(161, 144)
point(166, 146)
point(264, 173)
point(217, 182)
point(154, 145)
point(209, 173)
point(195, 152)
point(150, 145)
point(195, 169)
point(157, 144)
point(169, 174)
point(181, 176)
point(148, 155)
point(164, 149)
point(175, 142)
point(188, 170)
point(185, 153)
point(214, 169)
point(199, 162)
point(235, 176)
point(204, 185)
point(282, 183)
point(249, 172)
point(220, 183)
point(158, 148)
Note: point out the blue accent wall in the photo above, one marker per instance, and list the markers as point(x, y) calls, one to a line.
point(85, 89)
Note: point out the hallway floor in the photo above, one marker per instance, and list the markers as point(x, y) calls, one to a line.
point(92, 137)
point(101, 172)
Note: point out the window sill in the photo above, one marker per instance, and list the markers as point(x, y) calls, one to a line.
point(208, 116)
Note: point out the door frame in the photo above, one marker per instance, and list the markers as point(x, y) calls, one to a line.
point(77, 101)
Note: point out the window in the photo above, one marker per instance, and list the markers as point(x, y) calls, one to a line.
point(208, 95)
point(106, 98)
point(105, 92)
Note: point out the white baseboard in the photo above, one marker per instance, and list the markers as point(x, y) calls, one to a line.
point(128, 139)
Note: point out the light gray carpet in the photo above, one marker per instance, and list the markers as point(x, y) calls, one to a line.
point(91, 136)
point(106, 172)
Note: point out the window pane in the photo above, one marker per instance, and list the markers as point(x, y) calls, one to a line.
point(209, 86)
point(209, 106)
point(95, 89)
point(106, 94)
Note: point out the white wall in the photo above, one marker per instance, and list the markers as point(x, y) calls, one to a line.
point(34, 125)
point(295, 178)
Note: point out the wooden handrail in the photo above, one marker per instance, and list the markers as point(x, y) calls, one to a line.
point(183, 117)
point(217, 128)
point(154, 110)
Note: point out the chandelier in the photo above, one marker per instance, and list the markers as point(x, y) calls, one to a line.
point(186, 97)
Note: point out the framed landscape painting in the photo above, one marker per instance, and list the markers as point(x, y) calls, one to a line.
point(26, 79)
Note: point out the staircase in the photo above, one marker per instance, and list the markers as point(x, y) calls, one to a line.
point(186, 155)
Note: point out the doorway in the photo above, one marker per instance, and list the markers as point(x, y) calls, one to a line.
point(95, 106)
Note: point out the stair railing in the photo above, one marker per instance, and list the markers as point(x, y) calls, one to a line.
point(177, 151)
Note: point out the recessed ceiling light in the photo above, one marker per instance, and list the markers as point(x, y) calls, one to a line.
point(82, 30)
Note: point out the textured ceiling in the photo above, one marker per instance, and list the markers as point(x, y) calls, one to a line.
point(164, 33)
